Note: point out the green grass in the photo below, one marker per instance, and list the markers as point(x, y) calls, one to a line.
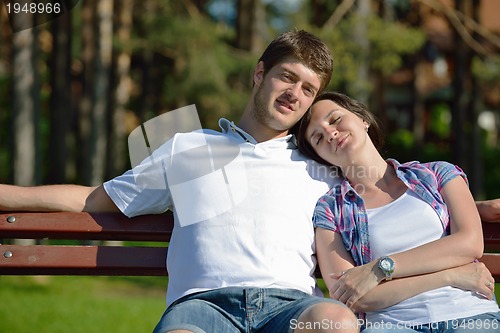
point(62, 304)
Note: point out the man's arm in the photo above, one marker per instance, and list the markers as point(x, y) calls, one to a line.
point(489, 210)
point(73, 198)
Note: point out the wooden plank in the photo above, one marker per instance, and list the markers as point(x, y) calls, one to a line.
point(86, 226)
point(82, 260)
point(492, 261)
point(491, 235)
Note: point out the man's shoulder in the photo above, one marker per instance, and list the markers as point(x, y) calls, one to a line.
point(322, 172)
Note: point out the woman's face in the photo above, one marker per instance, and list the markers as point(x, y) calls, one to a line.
point(335, 133)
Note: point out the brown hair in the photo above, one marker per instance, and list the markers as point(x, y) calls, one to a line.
point(306, 47)
point(358, 108)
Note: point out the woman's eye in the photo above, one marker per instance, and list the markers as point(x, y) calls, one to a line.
point(335, 120)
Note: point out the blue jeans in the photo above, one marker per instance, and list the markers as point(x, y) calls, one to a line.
point(483, 323)
point(238, 310)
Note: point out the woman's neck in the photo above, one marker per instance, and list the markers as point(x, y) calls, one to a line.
point(376, 182)
point(366, 170)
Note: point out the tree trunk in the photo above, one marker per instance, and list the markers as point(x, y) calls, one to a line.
point(250, 23)
point(60, 110)
point(85, 110)
point(121, 63)
point(418, 119)
point(476, 176)
point(101, 89)
point(461, 93)
point(25, 100)
point(25, 107)
point(361, 37)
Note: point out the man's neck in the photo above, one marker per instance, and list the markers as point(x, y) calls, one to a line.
point(258, 131)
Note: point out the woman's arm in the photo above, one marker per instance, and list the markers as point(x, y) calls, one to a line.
point(474, 277)
point(55, 198)
point(333, 259)
point(462, 246)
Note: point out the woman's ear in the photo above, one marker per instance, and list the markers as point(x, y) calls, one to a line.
point(258, 74)
point(367, 125)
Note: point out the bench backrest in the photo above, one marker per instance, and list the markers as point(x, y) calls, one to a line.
point(144, 258)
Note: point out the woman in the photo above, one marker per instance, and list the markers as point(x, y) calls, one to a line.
point(412, 226)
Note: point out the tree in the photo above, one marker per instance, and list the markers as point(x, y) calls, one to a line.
point(99, 137)
point(60, 99)
point(25, 104)
point(250, 20)
point(117, 152)
point(85, 99)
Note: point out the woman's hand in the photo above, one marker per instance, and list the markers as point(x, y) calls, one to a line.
point(355, 283)
point(474, 277)
point(489, 210)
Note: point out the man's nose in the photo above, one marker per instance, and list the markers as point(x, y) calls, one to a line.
point(292, 92)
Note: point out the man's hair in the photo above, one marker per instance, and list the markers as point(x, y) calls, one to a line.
point(374, 131)
point(307, 48)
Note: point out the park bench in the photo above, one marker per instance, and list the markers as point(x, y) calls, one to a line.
point(143, 253)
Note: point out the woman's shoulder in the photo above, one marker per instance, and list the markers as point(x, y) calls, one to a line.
point(433, 166)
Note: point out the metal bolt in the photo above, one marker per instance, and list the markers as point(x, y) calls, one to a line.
point(11, 219)
point(7, 254)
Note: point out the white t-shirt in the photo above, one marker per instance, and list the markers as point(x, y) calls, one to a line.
point(386, 226)
point(242, 209)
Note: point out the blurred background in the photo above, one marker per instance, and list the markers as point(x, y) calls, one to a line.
point(73, 88)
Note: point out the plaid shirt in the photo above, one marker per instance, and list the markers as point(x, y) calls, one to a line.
point(342, 210)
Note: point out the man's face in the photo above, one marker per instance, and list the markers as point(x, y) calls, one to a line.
point(284, 94)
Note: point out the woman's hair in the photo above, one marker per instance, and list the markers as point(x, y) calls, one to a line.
point(306, 47)
point(359, 109)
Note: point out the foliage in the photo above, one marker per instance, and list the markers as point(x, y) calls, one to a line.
point(487, 69)
point(400, 145)
point(439, 123)
point(180, 54)
point(200, 66)
point(492, 172)
point(388, 42)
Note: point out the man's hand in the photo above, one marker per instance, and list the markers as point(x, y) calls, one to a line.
point(489, 210)
point(474, 277)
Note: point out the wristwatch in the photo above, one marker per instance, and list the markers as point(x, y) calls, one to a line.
point(386, 264)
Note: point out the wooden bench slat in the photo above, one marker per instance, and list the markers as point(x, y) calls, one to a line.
point(86, 226)
point(82, 260)
point(491, 235)
point(120, 260)
point(492, 261)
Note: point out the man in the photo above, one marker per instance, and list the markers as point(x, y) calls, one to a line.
point(248, 266)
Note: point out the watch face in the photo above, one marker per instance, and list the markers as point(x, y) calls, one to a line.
point(387, 265)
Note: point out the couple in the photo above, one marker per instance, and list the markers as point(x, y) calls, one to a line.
point(259, 276)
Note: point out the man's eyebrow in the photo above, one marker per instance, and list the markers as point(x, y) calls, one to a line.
point(287, 70)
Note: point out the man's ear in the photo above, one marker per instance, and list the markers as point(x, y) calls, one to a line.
point(258, 74)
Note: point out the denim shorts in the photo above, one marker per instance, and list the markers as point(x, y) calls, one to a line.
point(482, 323)
point(238, 310)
